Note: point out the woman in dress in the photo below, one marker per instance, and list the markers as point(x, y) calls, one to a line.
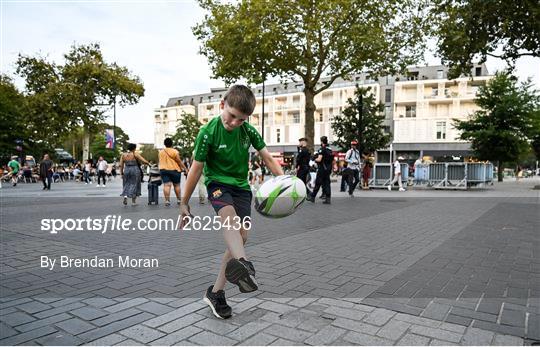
point(131, 174)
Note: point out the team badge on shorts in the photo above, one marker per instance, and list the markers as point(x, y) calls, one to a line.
point(217, 193)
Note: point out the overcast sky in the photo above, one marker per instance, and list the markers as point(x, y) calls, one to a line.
point(152, 39)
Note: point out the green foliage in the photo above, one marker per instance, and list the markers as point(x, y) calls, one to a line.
point(346, 125)
point(309, 39)
point(186, 133)
point(506, 123)
point(61, 98)
point(475, 29)
point(150, 153)
point(12, 118)
point(98, 144)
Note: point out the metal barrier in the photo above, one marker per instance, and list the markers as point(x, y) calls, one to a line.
point(436, 175)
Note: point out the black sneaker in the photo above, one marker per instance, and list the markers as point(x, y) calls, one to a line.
point(241, 273)
point(310, 198)
point(217, 303)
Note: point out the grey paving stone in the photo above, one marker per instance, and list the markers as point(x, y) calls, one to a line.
point(315, 324)
point(129, 342)
point(7, 331)
point(287, 333)
point(379, 316)
point(413, 340)
point(27, 336)
point(207, 338)
point(283, 342)
point(33, 307)
point(113, 317)
point(357, 326)
point(181, 323)
point(325, 336)
point(459, 311)
point(260, 339)
point(126, 304)
point(511, 317)
point(142, 333)
point(59, 339)
point(155, 308)
point(345, 312)
point(366, 340)
point(16, 318)
point(100, 302)
point(436, 311)
point(335, 302)
point(108, 340)
point(436, 333)
point(533, 329)
point(58, 310)
point(507, 340)
point(177, 313)
point(437, 342)
point(452, 318)
point(218, 326)
point(393, 329)
point(460, 329)
point(75, 326)
point(245, 331)
point(177, 336)
point(477, 337)
point(499, 328)
point(276, 307)
point(88, 313)
point(43, 322)
point(301, 302)
point(114, 327)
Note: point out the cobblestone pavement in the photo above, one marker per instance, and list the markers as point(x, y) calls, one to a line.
point(413, 268)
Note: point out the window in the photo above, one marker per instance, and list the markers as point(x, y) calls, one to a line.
point(410, 111)
point(413, 76)
point(278, 135)
point(296, 118)
point(440, 74)
point(441, 130)
point(478, 71)
point(387, 111)
point(386, 129)
point(434, 91)
point(388, 95)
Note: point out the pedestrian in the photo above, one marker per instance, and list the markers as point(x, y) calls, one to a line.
point(352, 157)
point(45, 172)
point(102, 167)
point(170, 168)
point(14, 167)
point(418, 165)
point(302, 162)
point(366, 169)
point(256, 168)
point(86, 172)
point(397, 175)
point(324, 159)
point(113, 169)
point(222, 149)
point(344, 176)
point(131, 174)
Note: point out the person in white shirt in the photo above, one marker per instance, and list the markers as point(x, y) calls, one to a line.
point(102, 168)
point(397, 175)
point(352, 157)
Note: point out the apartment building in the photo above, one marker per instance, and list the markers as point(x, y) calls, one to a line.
point(419, 108)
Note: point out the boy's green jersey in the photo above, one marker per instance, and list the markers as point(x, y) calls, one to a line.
point(13, 164)
point(226, 153)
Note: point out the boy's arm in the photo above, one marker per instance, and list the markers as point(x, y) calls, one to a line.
point(191, 181)
point(270, 162)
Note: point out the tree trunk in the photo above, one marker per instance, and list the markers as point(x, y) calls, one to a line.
point(86, 144)
point(500, 173)
point(309, 125)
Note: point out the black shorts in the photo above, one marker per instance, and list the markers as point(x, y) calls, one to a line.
point(170, 176)
point(221, 195)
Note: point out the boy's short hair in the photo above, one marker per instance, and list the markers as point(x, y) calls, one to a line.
point(324, 140)
point(131, 146)
point(241, 98)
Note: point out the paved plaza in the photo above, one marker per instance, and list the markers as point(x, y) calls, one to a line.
point(421, 267)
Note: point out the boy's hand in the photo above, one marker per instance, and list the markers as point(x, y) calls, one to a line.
point(185, 213)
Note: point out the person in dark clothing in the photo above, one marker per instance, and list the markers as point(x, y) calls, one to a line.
point(302, 161)
point(45, 172)
point(324, 160)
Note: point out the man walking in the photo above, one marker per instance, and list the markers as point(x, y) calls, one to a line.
point(45, 172)
point(14, 167)
point(324, 159)
point(352, 157)
point(302, 161)
point(102, 168)
point(397, 175)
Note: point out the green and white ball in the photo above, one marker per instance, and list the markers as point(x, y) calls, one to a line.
point(280, 196)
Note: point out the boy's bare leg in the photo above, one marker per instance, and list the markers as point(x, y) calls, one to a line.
point(235, 240)
point(177, 191)
point(167, 190)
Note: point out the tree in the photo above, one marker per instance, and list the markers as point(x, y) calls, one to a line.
point(12, 118)
point(502, 129)
point(306, 39)
point(150, 153)
point(186, 133)
point(98, 146)
point(64, 97)
point(346, 125)
point(471, 30)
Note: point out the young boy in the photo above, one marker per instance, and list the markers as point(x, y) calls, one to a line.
point(222, 149)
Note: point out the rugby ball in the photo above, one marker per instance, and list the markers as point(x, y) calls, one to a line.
point(280, 196)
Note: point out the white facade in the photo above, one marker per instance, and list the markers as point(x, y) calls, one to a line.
point(424, 110)
point(166, 120)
